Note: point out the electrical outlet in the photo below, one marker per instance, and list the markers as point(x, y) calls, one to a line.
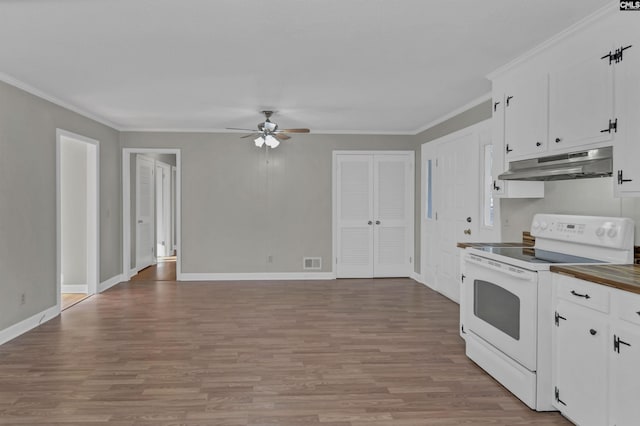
point(270, 259)
point(23, 299)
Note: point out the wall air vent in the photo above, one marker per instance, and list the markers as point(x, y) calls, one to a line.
point(313, 263)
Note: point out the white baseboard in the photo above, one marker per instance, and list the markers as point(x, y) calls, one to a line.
point(30, 323)
point(256, 276)
point(133, 272)
point(75, 288)
point(105, 285)
point(417, 277)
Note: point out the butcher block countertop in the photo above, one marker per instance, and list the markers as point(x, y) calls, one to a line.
point(467, 245)
point(623, 277)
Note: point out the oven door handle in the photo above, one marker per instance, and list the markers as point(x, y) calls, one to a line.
point(502, 268)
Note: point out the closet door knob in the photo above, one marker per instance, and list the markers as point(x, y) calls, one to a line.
point(377, 222)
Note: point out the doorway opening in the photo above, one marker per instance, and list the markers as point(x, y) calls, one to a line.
point(151, 214)
point(77, 189)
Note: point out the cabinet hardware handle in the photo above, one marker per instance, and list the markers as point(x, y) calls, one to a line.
point(558, 140)
point(593, 332)
point(495, 105)
point(508, 99)
point(462, 277)
point(558, 317)
point(586, 296)
point(538, 143)
point(467, 231)
point(370, 223)
point(377, 222)
point(617, 341)
point(495, 187)
point(469, 219)
point(621, 180)
point(638, 312)
point(508, 149)
point(613, 125)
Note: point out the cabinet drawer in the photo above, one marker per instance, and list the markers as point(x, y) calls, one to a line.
point(583, 293)
point(627, 306)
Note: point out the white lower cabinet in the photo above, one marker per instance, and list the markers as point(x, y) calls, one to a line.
point(581, 353)
point(596, 353)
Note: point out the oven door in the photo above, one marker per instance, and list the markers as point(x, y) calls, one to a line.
point(500, 304)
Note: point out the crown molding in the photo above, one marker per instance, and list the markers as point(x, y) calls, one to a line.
point(609, 9)
point(12, 81)
point(459, 110)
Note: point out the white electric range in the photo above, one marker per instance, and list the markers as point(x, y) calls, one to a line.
point(505, 308)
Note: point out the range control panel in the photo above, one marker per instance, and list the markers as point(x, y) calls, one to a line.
point(614, 232)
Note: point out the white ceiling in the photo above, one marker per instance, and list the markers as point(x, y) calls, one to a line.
point(346, 66)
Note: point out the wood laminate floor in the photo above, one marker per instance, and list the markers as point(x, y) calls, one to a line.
point(164, 270)
point(324, 353)
point(69, 299)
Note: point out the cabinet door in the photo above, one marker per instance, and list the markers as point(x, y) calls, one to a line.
point(392, 213)
point(525, 122)
point(580, 358)
point(581, 99)
point(625, 376)
point(499, 163)
point(626, 173)
point(354, 202)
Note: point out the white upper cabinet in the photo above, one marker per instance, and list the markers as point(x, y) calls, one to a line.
point(581, 98)
point(577, 91)
point(626, 154)
point(525, 118)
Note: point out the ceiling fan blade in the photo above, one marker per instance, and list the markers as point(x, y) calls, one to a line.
point(249, 135)
point(293, 130)
point(281, 136)
point(236, 128)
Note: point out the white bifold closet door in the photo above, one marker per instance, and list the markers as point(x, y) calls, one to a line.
point(374, 213)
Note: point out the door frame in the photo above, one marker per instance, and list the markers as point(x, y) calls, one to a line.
point(126, 207)
point(165, 206)
point(93, 212)
point(334, 203)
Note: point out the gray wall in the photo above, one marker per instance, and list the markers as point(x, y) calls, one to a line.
point(241, 205)
point(466, 118)
point(28, 200)
point(73, 206)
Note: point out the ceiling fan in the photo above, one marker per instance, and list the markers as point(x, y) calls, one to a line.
point(268, 132)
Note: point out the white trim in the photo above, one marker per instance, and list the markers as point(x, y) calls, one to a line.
point(132, 273)
point(30, 323)
point(257, 276)
point(417, 277)
point(93, 226)
point(610, 8)
point(457, 111)
point(105, 285)
point(232, 132)
point(12, 81)
point(75, 288)
point(126, 207)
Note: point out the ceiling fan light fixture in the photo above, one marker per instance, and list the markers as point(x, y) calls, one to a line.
point(259, 141)
point(271, 141)
point(269, 126)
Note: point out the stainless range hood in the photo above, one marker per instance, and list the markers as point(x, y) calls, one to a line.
point(577, 165)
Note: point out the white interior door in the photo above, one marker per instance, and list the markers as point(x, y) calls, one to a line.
point(163, 209)
point(354, 216)
point(457, 206)
point(393, 215)
point(145, 237)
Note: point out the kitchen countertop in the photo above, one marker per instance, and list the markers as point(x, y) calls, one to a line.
point(623, 277)
point(467, 245)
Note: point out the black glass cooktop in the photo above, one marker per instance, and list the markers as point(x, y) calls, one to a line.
point(533, 255)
